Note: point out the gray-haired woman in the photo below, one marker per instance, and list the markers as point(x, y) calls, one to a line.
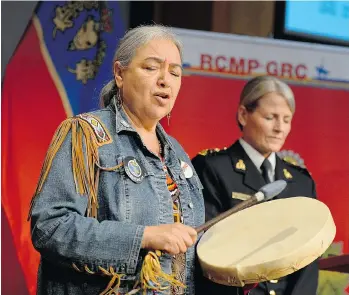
point(264, 115)
point(114, 186)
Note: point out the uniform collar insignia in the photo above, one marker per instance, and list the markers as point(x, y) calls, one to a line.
point(287, 174)
point(240, 165)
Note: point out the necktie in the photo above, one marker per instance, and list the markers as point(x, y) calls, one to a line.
point(266, 169)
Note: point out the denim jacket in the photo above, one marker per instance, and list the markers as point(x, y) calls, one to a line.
point(73, 246)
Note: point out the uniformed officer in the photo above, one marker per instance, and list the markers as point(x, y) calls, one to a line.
point(264, 116)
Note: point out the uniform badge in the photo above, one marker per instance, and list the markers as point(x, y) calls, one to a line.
point(187, 170)
point(240, 165)
point(287, 174)
point(133, 169)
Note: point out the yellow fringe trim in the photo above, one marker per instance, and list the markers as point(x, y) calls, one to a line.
point(153, 277)
point(85, 169)
point(114, 284)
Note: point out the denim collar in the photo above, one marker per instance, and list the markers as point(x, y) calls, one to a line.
point(122, 123)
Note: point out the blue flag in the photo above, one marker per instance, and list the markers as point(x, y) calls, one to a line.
point(81, 38)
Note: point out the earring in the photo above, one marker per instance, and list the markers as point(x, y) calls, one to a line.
point(168, 118)
point(118, 99)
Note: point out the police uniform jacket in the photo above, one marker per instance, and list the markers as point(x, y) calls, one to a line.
point(226, 173)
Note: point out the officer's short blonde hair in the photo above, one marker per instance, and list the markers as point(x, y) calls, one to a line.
point(259, 86)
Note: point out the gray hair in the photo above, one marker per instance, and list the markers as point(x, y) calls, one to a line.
point(128, 45)
point(259, 86)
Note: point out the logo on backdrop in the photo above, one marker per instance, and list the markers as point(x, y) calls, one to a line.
point(90, 20)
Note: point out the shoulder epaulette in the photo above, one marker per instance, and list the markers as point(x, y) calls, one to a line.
point(294, 160)
point(291, 161)
point(295, 165)
point(214, 151)
point(291, 157)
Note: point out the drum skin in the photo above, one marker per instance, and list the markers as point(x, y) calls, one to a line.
point(266, 241)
